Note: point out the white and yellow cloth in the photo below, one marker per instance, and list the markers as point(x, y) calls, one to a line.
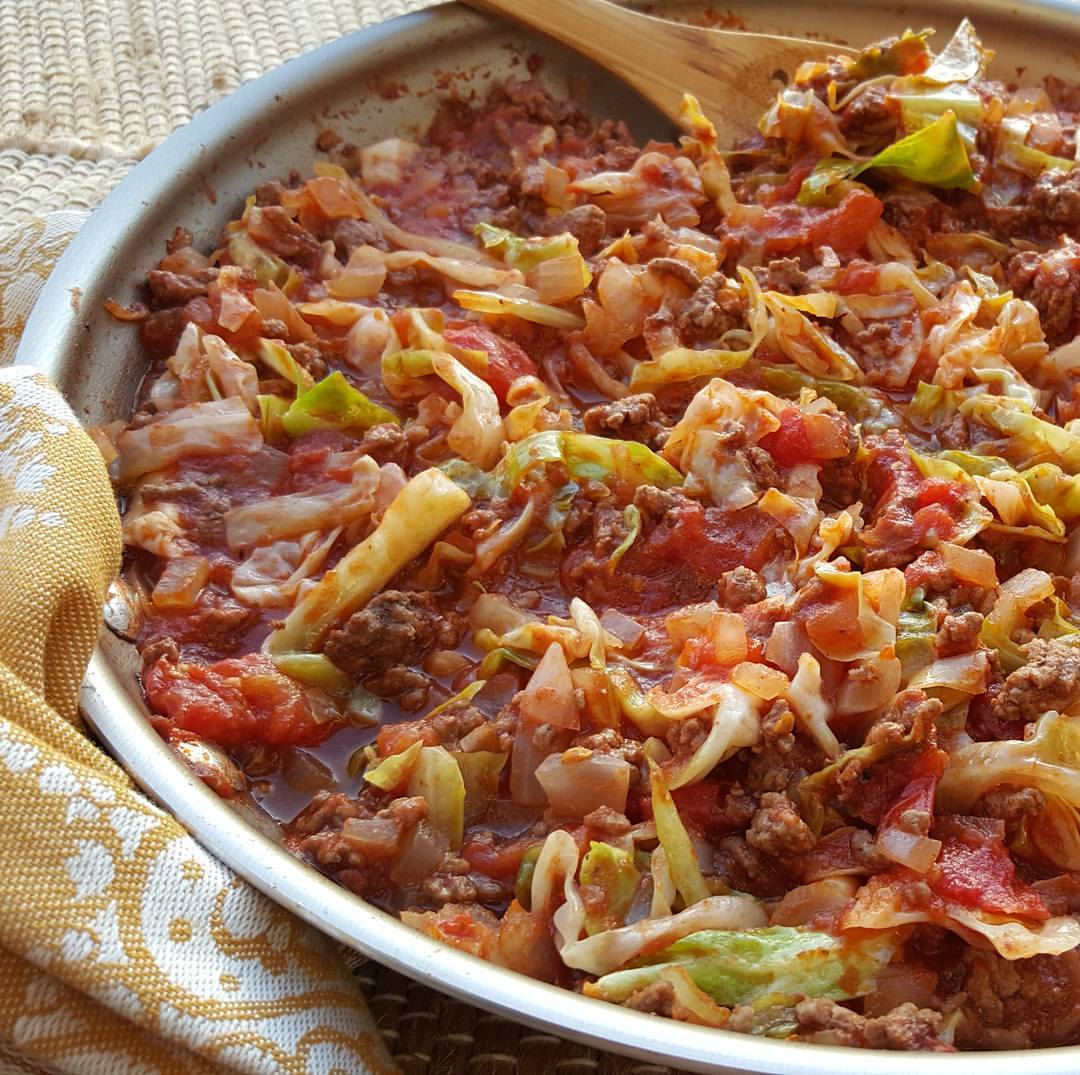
point(124, 946)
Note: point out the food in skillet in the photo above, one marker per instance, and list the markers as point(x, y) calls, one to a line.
point(653, 569)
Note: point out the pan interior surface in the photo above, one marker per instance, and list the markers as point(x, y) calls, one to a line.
point(368, 86)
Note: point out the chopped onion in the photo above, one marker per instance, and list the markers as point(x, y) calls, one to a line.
point(869, 685)
point(807, 699)
point(359, 282)
point(549, 696)
point(692, 697)
point(974, 566)
point(787, 641)
point(728, 633)
point(802, 904)
point(497, 613)
point(497, 545)
point(690, 621)
point(374, 837)
point(626, 630)
point(525, 758)
point(181, 582)
point(910, 849)
point(578, 782)
point(760, 680)
point(423, 851)
point(901, 983)
point(560, 279)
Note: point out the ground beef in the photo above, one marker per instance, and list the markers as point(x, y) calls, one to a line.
point(958, 633)
point(880, 346)
point(396, 628)
point(657, 998)
point(910, 715)
point(216, 626)
point(327, 810)
point(747, 869)
point(1011, 805)
point(676, 269)
point(914, 211)
point(606, 822)
point(1061, 894)
point(869, 119)
point(309, 356)
point(631, 418)
point(609, 741)
point(904, 1028)
point(777, 829)
point(587, 223)
point(407, 685)
point(930, 572)
point(781, 759)
point(348, 235)
point(762, 467)
point(1055, 200)
point(174, 289)
point(655, 503)
point(685, 736)
point(784, 275)
point(385, 443)
point(954, 433)
point(1050, 281)
point(712, 310)
point(1019, 1003)
point(452, 882)
point(201, 502)
point(741, 587)
point(407, 810)
point(1049, 680)
point(269, 193)
point(454, 722)
point(285, 237)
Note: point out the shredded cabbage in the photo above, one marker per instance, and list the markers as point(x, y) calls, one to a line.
point(333, 404)
point(682, 861)
point(934, 155)
point(1048, 761)
point(427, 505)
point(587, 458)
point(217, 427)
point(772, 965)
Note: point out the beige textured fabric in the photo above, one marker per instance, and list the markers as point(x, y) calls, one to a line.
point(124, 947)
point(123, 944)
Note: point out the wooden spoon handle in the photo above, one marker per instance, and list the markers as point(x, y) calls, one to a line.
point(730, 72)
point(594, 29)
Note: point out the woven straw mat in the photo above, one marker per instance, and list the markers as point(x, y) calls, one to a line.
point(88, 88)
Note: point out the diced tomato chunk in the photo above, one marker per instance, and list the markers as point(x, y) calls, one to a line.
point(495, 858)
point(844, 228)
point(234, 702)
point(789, 444)
point(789, 227)
point(506, 360)
point(974, 869)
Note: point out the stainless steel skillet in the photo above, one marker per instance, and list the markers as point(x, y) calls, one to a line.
point(368, 85)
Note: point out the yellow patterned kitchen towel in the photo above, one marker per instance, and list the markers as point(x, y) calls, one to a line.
point(124, 946)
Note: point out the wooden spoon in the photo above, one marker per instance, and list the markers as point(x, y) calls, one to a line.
point(732, 73)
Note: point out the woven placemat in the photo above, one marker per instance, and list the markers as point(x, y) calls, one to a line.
point(89, 87)
point(428, 1033)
